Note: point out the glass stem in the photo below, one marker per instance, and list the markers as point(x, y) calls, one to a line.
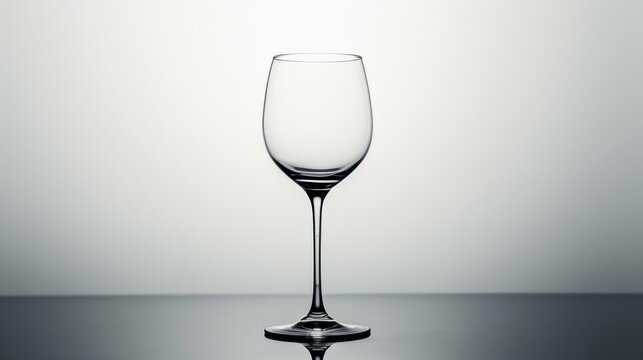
point(317, 310)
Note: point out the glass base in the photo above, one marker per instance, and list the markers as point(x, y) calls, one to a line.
point(317, 331)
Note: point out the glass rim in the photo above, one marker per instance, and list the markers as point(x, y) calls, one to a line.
point(317, 57)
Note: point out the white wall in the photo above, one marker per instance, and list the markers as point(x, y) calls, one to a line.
point(507, 152)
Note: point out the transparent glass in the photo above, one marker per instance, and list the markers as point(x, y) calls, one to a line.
point(317, 126)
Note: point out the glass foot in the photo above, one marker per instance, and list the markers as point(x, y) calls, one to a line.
point(317, 330)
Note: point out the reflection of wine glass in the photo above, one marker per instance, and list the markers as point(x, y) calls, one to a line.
point(317, 349)
point(317, 127)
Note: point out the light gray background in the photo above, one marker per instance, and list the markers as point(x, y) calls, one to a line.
point(507, 152)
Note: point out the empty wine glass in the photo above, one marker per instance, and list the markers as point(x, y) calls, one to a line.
point(317, 126)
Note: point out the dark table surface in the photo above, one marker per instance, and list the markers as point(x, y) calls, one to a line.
point(403, 327)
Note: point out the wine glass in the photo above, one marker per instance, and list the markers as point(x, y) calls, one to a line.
point(317, 127)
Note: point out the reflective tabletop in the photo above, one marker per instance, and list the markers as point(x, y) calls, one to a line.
point(403, 327)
